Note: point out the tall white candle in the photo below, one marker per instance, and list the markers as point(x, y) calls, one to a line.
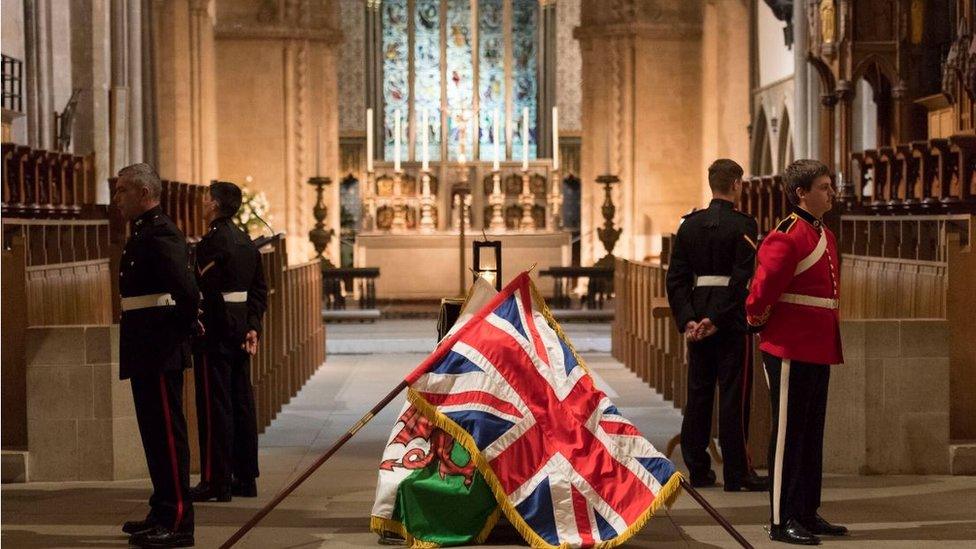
point(525, 138)
point(608, 167)
point(396, 140)
point(555, 138)
point(318, 151)
point(369, 140)
point(425, 142)
point(494, 133)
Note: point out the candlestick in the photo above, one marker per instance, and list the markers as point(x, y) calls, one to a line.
point(396, 140)
point(525, 138)
point(425, 142)
point(494, 134)
point(607, 163)
point(369, 140)
point(555, 138)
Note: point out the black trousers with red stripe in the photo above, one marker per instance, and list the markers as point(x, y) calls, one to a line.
point(721, 358)
point(158, 401)
point(226, 417)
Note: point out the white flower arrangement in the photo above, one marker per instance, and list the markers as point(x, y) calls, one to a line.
point(254, 205)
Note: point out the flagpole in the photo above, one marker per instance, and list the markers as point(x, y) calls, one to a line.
point(243, 530)
point(722, 521)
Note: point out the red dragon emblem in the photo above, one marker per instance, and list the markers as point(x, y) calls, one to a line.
point(415, 426)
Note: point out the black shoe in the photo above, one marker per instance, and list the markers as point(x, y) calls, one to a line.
point(247, 488)
point(698, 481)
point(821, 527)
point(162, 537)
point(751, 483)
point(133, 527)
point(792, 532)
point(206, 491)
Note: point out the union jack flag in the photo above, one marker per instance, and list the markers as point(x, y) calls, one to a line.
point(566, 468)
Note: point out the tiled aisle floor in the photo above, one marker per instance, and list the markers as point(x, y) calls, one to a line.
point(331, 509)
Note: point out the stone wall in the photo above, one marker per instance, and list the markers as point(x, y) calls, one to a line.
point(888, 405)
point(81, 423)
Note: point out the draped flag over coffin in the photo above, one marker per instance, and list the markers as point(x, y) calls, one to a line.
point(565, 467)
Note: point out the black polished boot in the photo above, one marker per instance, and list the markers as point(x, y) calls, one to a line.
point(245, 488)
point(133, 527)
point(751, 483)
point(206, 491)
point(703, 481)
point(792, 532)
point(817, 525)
point(162, 537)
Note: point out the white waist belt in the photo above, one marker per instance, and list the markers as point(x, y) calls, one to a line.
point(235, 297)
point(809, 300)
point(147, 301)
point(712, 280)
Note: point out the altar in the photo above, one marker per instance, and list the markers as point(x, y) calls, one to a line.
point(426, 266)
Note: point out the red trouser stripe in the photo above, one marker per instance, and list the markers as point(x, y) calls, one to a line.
point(206, 392)
point(172, 452)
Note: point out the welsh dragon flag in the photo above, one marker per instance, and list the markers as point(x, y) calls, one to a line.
point(503, 417)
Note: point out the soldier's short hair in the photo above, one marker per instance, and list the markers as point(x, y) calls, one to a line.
point(146, 176)
point(227, 196)
point(800, 175)
point(722, 174)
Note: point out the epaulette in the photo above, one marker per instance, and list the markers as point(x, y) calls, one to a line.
point(696, 212)
point(786, 224)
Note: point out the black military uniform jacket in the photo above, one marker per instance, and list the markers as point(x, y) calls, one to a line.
point(231, 280)
point(159, 298)
point(712, 244)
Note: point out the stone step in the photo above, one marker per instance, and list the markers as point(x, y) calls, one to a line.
point(13, 466)
point(962, 457)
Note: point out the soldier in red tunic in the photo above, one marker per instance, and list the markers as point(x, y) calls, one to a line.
point(793, 300)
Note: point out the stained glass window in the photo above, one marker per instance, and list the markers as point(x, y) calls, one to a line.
point(427, 84)
point(450, 74)
point(460, 79)
point(396, 88)
point(524, 74)
point(491, 76)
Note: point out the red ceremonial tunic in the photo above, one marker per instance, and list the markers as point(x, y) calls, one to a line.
point(795, 292)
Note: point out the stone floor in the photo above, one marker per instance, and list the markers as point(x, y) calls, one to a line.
point(331, 509)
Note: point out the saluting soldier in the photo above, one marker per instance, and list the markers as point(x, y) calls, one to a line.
point(234, 300)
point(708, 275)
point(159, 311)
point(794, 299)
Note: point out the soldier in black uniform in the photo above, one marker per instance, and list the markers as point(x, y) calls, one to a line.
point(234, 300)
point(711, 263)
point(159, 312)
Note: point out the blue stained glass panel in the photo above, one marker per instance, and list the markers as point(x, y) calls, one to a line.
point(396, 89)
point(460, 78)
point(491, 77)
point(427, 71)
point(525, 87)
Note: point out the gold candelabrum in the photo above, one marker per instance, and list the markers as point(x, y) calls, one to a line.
point(319, 236)
point(497, 202)
point(426, 205)
point(608, 234)
point(526, 200)
point(399, 205)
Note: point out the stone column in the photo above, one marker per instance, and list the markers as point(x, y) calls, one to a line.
point(827, 103)
point(185, 90)
point(289, 58)
point(91, 71)
point(798, 124)
point(119, 95)
point(134, 76)
point(638, 118)
point(845, 98)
